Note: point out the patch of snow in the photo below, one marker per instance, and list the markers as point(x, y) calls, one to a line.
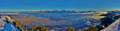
point(1, 28)
point(88, 23)
point(113, 26)
point(13, 28)
point(3, 18)
point(52, 30)
point(2, 23)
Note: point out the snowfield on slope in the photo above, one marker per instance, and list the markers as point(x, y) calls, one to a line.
point(2, 22)
point(113, 27)
point(7, 26)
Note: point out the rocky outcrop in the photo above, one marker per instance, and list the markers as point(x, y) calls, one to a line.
point(19, 25)
point(6, 19)
point(16, 24)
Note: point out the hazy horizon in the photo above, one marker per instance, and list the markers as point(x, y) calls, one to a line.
point(26, 5)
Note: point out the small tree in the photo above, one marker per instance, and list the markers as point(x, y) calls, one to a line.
point(93, 28)
point(43, 29)
point(70, 29)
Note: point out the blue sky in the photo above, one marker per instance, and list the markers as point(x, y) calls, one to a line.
point(17, 5)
